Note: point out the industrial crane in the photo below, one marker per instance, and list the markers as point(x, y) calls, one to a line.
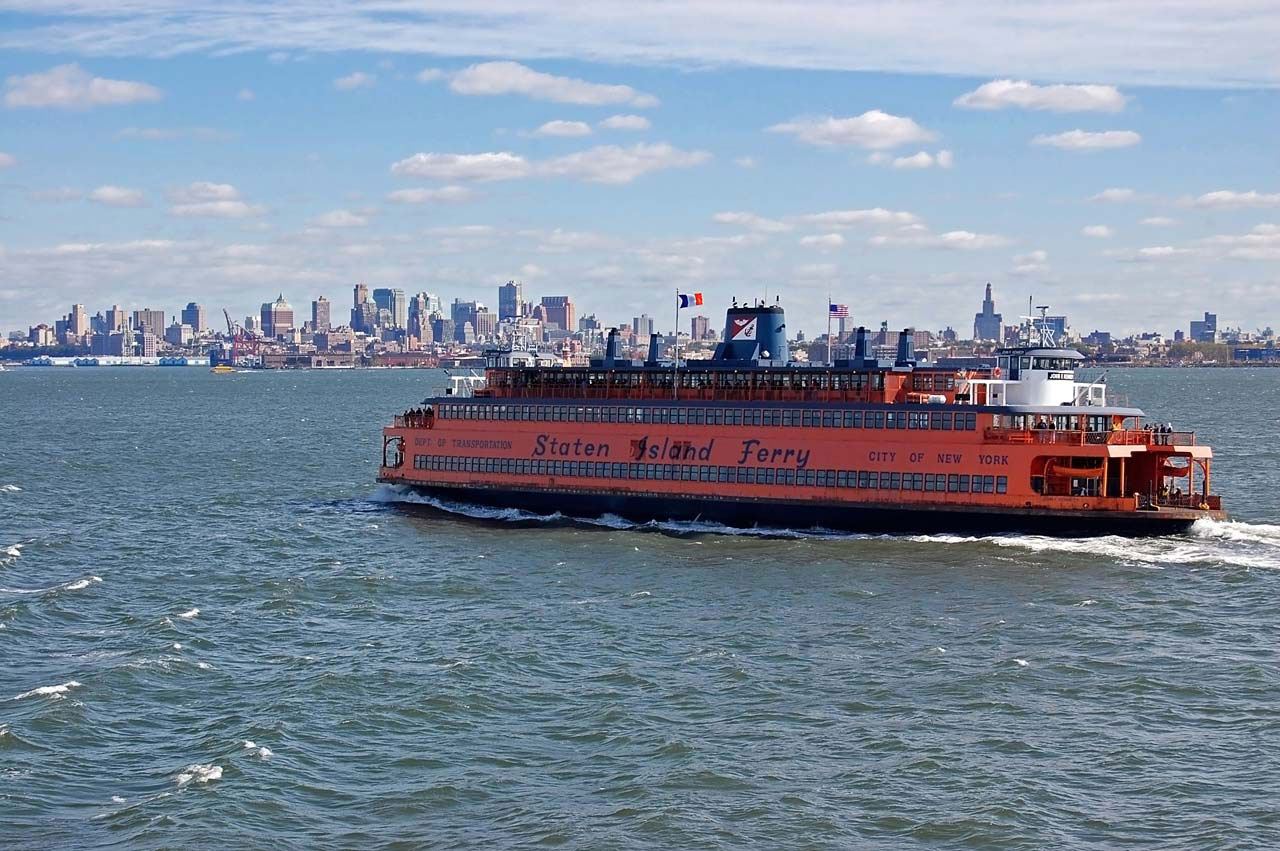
point(242, 342)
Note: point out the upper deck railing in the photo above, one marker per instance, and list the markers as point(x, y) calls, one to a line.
point(1068, 437)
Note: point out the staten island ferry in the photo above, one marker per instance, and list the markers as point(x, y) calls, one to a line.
point(750, 438)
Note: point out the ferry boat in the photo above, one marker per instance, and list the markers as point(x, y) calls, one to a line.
point(751, 439)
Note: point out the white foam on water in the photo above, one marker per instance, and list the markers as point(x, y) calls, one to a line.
point(1087, 603)
point(189, 614)
point(177, 645)
point(1021, 663)
point(10, 488)
point(116, 799)
point(204, 666)
point(248, 745)
point(199, 774)
point(81, 584)
point(642, 594)
point(52, 692)
point(13, 551)
point(264, 753)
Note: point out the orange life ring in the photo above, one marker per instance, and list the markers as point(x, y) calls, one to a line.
point(996, 372)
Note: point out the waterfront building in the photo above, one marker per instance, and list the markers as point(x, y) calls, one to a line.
point(559, 310)
point(1205, 330)
point(148, 321)
point(179, 334)
point(277, 317)
point(320, 315)
point(987, 323)
point(146, 344)
point(193, 315)
point(510, 300)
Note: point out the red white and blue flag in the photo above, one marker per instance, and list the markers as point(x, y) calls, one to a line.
point(839, 311)
point(687, 300)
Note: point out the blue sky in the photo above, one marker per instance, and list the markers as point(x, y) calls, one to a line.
point(1122, 167)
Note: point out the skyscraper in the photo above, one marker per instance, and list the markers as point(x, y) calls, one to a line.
point(78, 320)
point(360, 294)
point(394, 302)
point(559, 310)
point(987, 324)
point(193, 315)
point(361, 309)
point(320, 315)
point(643, 324)
point(115, 318)
point(462, 312)
point(149, 321)
point(1206, 330)
point(277, 317)
point(698, 327)
point(486, 323)
point(510, 300)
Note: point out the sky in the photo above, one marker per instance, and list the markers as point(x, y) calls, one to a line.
point(1118, 161)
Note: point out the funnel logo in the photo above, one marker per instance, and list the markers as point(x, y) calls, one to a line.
point(742, 329)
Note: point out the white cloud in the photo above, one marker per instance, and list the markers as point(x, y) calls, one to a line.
point(923, 159)
point(1225, 199)
point(564, 128)
point(625, 122)
point(443, 195)
point(602, 164)
point(1114, 195)
point(341, 219)
point(7, 160)
point(1158, 221)
point(1097, 231)
point(873, 130)
point(211, 200)
point(245, 95)
point(1083, 140)
point(355, 80)
point(616, 165)
point(71, 87)
point(507, 78)
point(745, 162)
point(501, 165)
point(849, 218)
point(1132, 42)
point(427, 75)
point(1031, 264)
point(118, 196)
point(1002, 94)
point(958, 240)
point(1261, 243)
point(825, 240)
point(1162, 251)
point(751, 221)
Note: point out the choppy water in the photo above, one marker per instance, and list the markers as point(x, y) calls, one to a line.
point(216, 631)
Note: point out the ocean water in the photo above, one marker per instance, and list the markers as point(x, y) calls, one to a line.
point(217, 631)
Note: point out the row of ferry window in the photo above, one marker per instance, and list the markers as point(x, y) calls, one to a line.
point(812, 417)
point(867, 479)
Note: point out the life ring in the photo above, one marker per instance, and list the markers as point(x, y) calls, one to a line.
point(996, 372)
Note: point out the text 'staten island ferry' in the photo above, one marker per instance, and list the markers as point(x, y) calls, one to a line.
point(751, 439)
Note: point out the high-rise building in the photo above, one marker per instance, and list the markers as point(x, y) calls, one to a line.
point(442, 329)
point(394, 302)
point(987, 324)
point(78, 320)
point(320, 315)
point(486, 323)
point(510, 300)
point(643, 325)
point(193, 315)
point(463, 312)
point(115, 318)
point(179, 334)
point(277, 317)
point(698, 327)
point(589, 324)
point(1205, 330)
point(559, 311)
point(146, 344)
point(149, 321)
point(360, 294)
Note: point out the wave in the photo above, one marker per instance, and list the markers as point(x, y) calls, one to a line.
point(52, 692)
point(10, 488)
point(199, 773)
point(81, 584)
point(189, 613)
point(1234, 543)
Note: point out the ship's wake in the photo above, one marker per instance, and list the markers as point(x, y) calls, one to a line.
point(1232, 543)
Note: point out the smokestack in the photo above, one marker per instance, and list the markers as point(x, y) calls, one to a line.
point(653, 350)
point(860, 345)
point(611, 348)
point(906, 348)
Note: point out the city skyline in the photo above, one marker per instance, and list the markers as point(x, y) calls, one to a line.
point(1124, 181)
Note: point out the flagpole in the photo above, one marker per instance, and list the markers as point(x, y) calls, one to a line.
point(675, 362)
point(828, 329)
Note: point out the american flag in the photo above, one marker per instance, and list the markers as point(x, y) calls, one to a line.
point(840, 311)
